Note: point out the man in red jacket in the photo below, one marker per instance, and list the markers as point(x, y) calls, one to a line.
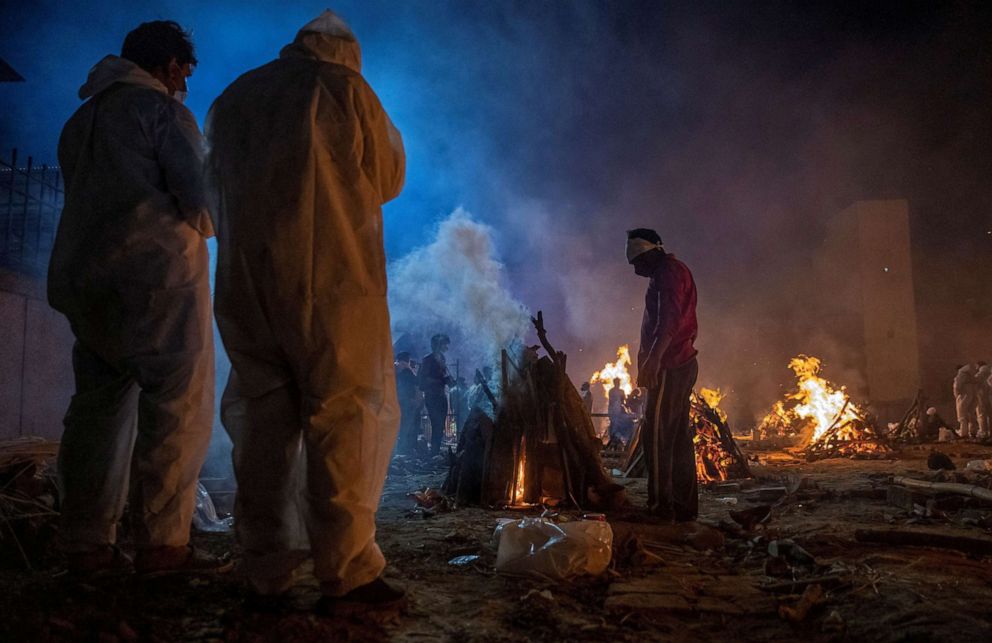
point(666, 367)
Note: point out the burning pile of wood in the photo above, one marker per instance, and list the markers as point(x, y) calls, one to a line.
point(717, 455)
point(847, 437)
point(829, 424)
point(542, 447)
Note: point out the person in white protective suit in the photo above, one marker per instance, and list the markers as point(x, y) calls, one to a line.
point(303, 156)
point(983, 400)
point(129, 270)
point(966, 401)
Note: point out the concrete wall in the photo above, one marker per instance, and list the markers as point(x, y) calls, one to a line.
point(35, 360)
point(892, 353)
point(865, 273)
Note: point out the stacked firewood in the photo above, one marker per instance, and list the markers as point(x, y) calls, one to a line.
point(28, 502)
point(848, 437)
point(911, 427)
point(542, 447)
point(717, 455)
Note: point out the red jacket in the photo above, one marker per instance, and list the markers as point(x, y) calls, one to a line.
point(669, 311)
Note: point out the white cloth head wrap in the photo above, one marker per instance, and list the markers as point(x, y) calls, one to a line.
point(637, 246)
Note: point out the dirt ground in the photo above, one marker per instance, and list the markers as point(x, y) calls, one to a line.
point(708, 580)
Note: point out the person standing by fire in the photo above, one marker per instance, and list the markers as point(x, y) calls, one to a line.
point(667, 368)
point(130, 271)
point(411, 401)
point(983, 400)
point(586, 397)
point(966, 401)
point(434, 377)
point(621, 424)
point(303, 156)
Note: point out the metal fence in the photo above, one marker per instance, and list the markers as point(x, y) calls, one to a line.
point(31, 199)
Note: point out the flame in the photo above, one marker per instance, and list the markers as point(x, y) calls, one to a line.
point(519, 484)
point(715, 460)
point(712, 397)
point(613, 370)
point(818, 400)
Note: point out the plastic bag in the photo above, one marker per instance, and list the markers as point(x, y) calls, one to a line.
point(205, 516)
point(539, 547)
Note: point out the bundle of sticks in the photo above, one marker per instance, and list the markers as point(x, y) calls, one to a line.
point(542, 447)
point(717, 455)
point(28, 502)
point(851, 438)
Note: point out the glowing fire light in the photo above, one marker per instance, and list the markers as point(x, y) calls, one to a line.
point(614, 370)
point(717, 457)
point(712, 397)
point(519, 484)
point(818, 400)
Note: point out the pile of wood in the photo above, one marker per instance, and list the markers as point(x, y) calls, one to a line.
point(911, 428)
point(28, 502)
point(853, 438)
point(542, 447)
point(717, 455)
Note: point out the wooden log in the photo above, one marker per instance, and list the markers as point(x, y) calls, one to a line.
point(971, 490)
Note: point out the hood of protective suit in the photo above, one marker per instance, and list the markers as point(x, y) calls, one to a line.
point(114, 69)
point(329, 39)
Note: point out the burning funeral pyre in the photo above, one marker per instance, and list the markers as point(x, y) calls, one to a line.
point(615, 370)
point(541, 449)
point(717, 455)
point(824, 418)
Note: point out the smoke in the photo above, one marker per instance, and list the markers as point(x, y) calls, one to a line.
point(737, 130)
point(456, 285)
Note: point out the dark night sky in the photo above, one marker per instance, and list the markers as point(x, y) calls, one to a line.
point(734, 128)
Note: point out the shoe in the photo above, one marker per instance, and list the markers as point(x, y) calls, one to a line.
point(106, 560)
point(165, 561)
point(379, 595)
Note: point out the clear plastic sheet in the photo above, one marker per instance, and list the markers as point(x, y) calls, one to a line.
point(205, 516)
point(539, 547)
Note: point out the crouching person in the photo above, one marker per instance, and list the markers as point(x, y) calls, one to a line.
point(129, 270)
point(303, 156)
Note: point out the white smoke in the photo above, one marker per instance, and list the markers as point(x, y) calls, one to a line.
point(455, 285)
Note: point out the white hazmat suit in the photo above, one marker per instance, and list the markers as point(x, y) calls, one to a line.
point(983, 399)
point(966, 401)
point(129, 270)
point(303, 156)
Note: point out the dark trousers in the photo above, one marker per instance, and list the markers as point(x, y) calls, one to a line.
point(409, 429)
point(668, 449)
point(437, 411)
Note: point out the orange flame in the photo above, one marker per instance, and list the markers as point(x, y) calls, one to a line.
point(818, 400)
point(519, 484)
point(614, 370)
point(814, 406)
point(713, 397)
